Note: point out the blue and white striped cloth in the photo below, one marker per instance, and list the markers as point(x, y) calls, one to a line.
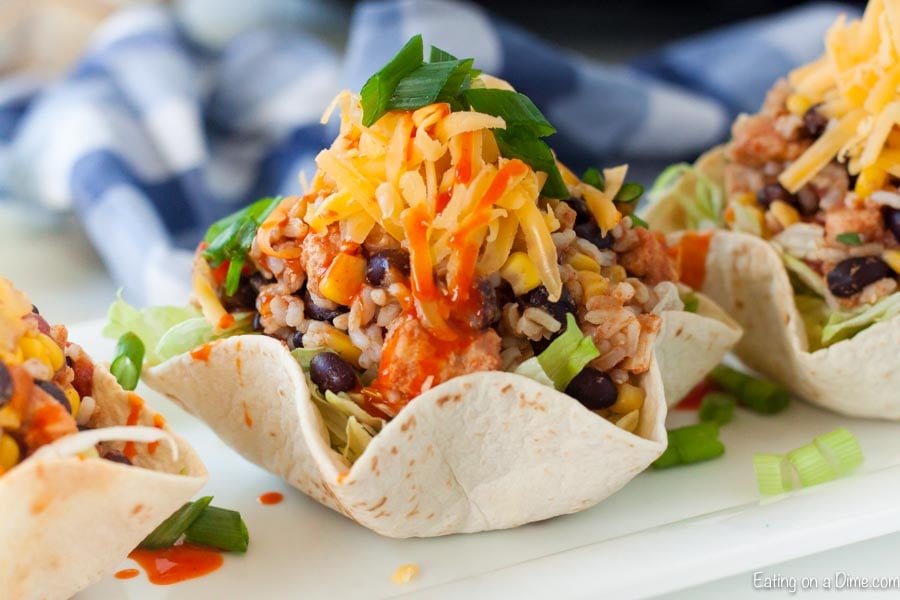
point(151, 138)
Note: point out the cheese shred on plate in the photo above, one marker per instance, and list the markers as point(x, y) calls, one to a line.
point(854, 83)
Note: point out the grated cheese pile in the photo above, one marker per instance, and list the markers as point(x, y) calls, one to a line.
point(13, 306)
point(435, 181)
point(855, 83)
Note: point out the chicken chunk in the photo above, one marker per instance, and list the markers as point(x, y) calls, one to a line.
point(649, 259)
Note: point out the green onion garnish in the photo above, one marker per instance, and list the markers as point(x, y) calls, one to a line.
point(169, 531)
point(628, 193)
point(595, 178)
point(219, 528)
point(230, 239)
point(129, 358)
point(690, 444)
point(717, 407)
point(567, 355)
point(758, 395)
point(691, 302)
point(850, 238)
point(636, 221)
point(407, 82)
point(772, 477)
point(826, 458)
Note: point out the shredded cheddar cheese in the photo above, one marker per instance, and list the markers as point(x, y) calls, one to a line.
point(855, 83)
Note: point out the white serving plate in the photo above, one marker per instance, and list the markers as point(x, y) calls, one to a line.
point(665, 531)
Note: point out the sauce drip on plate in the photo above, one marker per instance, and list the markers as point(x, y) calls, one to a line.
point(270, 498)
point(178, 563)
point(127, 574)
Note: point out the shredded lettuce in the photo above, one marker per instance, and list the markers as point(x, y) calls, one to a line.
point(704, 207)
point(167, 331)
point(532, 369)
point(845, 324)
point(814, 311)
point(567, 355)
point(745, 220)
point(804, 275)
point(350, 427)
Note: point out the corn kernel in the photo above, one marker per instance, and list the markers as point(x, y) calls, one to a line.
point(405, 573)
point(617, 274)
point(344, 277)
point(32, 348)
point(630, 398)
point(521, 273)
point(629, 422)
point(892, 258)
point(11, 358)
point(784, 213)
point(73, 398)
point(797, 104)
point(53, 352)
point(9, 452)
point(592, 284)
point(871, 179)
point(583, 262)
point(340, 343)
point(9, 419)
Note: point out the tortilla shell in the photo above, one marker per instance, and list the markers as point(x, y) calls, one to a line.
point(689, 345)
point(858, 377)
point(67, 521)
point(479, 452)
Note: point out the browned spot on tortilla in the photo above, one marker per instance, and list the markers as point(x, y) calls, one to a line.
point(739, 304)
point(272, 434)
point(786, 318)
point(445, 399)
point(393, 449)
point(378, 505)
point(410, 423)
point(374, 463)
point(413, 512)
point(523, 402)
point(679, 331)
point(408, 475)
point(430, 516)
point(382, 513)
point(137, 508)
point(412, 461)
point(506, 388)
point(41, 503)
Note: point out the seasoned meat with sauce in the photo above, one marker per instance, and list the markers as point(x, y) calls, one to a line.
point(649, 258)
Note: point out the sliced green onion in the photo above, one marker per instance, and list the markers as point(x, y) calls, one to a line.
point(758, 395)
point(826, 458)
point(691, 444)
point(168, 532)
point(219, 528)
point(567, 355)
point(377, 92)
point(717, 407)
point(129, 358)
point(636, 221)
point(438, 55)
point(595, 178)
point(771, 474)
point(230, 239)
point(691, 303)
point(535, 153)
point(628, 193)
point(842, 449)
point(850, 238)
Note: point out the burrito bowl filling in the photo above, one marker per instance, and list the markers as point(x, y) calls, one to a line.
point(435, 240)
point(45, 385)
point(817, 170)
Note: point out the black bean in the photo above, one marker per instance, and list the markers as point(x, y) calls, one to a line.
point(331, 372)
point(387, 267)
point(258, 280)
point(6, 385)
point(320, 313)
point(243, 298)
point(593, 388)
point(814, 122)
point(35, 310)
point(807, 201)
point(118, 457)
point(892, 220)
point(257, 322)
point(487, 311)
point(539, 298)
point(851, 275)
point(54, 392)
point(775, 191)
point(296, 340)
point(591, 232)
point(582, 214)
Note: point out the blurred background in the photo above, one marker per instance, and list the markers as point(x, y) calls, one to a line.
point(127, 126)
